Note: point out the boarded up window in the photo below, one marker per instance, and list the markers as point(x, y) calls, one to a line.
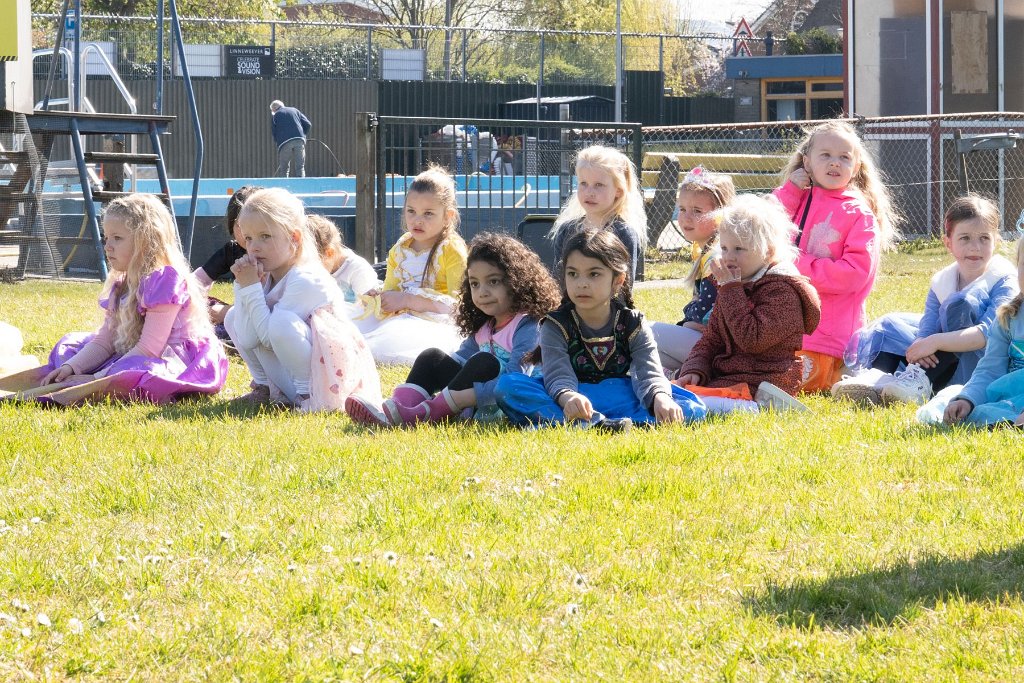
point(969, 35)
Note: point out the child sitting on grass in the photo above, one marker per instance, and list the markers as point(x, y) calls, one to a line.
point(505, 292)
point(995, 392)
point(354, 274)
point(701, 195)
point(747, 357)
point(944, 345)
point(600, 362)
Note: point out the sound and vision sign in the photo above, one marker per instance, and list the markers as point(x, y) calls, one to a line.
point(249, 61)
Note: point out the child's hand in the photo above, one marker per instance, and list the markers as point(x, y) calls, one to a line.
point(577, 407)
point(247, 271)
point(722, 275)
point(800, 178)
point(922, 352)
point(692, 378)
point(957, 410)
point(58, 375)
point(695, 326)
point(666, 410)
point(218, 312)
point(392, 302)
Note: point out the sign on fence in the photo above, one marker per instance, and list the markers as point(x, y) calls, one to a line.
point(249, 61)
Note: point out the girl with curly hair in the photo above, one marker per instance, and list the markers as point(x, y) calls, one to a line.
point(505, 292)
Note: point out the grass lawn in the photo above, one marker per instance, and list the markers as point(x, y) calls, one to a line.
point(205, 541)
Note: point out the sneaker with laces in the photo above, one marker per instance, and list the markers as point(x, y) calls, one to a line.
point(864, 387)
point(909, 386)
point(772, 397)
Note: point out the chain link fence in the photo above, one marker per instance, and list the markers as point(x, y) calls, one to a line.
point(333, 50)
point(917, 156)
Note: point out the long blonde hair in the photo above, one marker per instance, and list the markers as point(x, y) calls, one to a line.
point(868, 180)
point(156, 245)
point(283, 212)
point(629, 206)
point(1009, 310)
point(436, 181)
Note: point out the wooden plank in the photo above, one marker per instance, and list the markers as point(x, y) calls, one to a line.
point(720, 163)
point(969, 38)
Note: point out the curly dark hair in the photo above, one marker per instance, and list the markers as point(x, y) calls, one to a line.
point(530, 286)
point(604, 246)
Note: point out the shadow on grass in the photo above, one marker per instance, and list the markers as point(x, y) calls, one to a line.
point(884, 596)
point(208, 407)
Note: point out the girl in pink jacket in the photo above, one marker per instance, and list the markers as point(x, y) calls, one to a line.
point(835, 195)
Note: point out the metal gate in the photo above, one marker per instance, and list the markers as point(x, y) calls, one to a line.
point(505, 170)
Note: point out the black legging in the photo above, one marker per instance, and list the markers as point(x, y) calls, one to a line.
point(434, 370)
point(939, 376)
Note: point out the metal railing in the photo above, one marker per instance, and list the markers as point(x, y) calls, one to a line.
point(343, 50)
point(916, 155)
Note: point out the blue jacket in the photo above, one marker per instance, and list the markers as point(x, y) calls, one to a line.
point(1004, 354)
point(288, 123)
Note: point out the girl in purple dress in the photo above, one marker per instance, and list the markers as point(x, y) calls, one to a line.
point(156, 342)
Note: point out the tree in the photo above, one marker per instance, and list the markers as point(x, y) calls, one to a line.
point(235, 9)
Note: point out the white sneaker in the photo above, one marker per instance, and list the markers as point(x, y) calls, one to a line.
point(909, 386)
point(864, 387)
point(772, 397)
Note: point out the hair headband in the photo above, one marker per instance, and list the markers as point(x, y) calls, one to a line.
point(700, 177)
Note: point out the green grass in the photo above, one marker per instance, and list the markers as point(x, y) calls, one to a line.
point(220, 543)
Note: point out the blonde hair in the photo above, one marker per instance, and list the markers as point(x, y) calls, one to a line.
point(761, 225)
point(282, 211)
point(718, 185)
point(325, 233)
point(969, 207)
point(1009, 310)
point(438, 182)
point(156, 245)
point(629, 206)
point(868, 180)
point(722, 190)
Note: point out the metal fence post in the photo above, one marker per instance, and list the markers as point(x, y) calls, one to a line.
point(540, 77)
point(465, 51)
point(366, 174)
point(369, 53)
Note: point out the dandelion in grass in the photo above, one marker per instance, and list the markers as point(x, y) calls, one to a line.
point(471, 481)
point(26, 632)
point(225, 536)
point(36, 520)
point(358, 561)
point(9, 618)
point(101, 617)
point(328, 549)
point(470, 555)
point(579, 582)
point(355, 650)
point(120, 559)
point(556, 480)
point(75, 626)
point(19, 605)
point(292, 566)
point(436, 623)
point(431, 557)
point(572, 609)
point(391, 557)
point(43, 620)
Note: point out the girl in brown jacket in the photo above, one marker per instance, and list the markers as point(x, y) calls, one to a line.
point(747, 356)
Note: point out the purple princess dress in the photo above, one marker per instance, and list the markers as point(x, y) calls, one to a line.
point(192, 360)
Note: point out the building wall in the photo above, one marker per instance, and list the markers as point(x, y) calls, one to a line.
point(747, 95)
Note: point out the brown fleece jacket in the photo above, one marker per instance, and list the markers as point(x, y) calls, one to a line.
point(755, 330)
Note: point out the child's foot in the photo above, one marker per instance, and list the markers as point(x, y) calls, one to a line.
point(365, 413)
point(258, 394)
point(864, 387)
point(772, 397)
point(614, 424)
point(909, 386)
